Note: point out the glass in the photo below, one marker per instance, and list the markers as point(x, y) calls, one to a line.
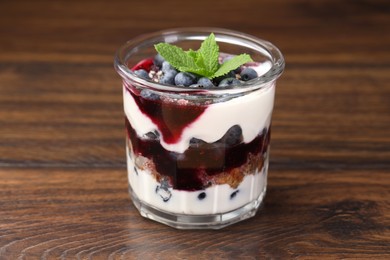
point(198, 158)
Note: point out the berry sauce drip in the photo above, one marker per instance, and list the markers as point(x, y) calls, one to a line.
point(170, 117)
point(188, 171)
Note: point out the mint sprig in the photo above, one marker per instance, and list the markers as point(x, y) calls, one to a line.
point(204, 61)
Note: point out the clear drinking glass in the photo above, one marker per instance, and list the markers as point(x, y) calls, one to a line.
point(198, 158)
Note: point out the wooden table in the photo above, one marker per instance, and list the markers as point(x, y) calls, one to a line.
point(63, 186)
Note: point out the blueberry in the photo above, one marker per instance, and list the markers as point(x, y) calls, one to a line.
point(202, 196)
point(234, 194)
point(168, 77)
point(185, 79)
point(230, 74)
point(248, 74)
point(167, 66)
point(158, 60)
point(147, 94)
point(142, 73)
point(205, 82)
point(229, 82)
point(233, 135)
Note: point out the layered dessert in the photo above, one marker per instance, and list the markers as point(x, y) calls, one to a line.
point(197, 156)
point(198, 129)
point(209, 165)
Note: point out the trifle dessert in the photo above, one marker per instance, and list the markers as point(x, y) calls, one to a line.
point(198, 105)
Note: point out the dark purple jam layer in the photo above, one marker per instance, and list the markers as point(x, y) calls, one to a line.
point(200, 161)
point(170, 117)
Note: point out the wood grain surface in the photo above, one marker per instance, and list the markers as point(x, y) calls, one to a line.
point(63, 187)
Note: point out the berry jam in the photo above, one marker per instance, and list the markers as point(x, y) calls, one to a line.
point(170, 117)
point(201, 161)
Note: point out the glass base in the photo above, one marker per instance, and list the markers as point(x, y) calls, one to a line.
point(184, 221)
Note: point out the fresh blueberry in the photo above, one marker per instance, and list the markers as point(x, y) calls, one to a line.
point(142, 73)
point(158, 60)
point(167, 66)
point(168, 77)
point(147, 94)
point(202, 196)
point(248, 74)
point(230, 74)
point(229, 82)
point(205, 82)
point(233, 135)
point(185, 79)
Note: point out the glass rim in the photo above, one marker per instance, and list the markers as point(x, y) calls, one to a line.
point(259, 45)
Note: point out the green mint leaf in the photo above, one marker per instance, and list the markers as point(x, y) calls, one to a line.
point(209, 51)
point(182, 60)
point(192, 53)
point(176, 56)
point(232, 64)
point(203, 62)
point(200, 64)
point(199, 71)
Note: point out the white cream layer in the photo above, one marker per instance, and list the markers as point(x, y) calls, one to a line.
point(252, 112)
point(217, 200)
